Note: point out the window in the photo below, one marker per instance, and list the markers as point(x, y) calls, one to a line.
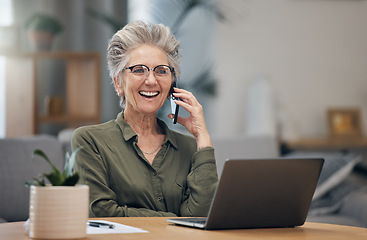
point(6, 19)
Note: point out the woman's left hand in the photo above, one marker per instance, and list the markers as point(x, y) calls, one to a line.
point(195, 123)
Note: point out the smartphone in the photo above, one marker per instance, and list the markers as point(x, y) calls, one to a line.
point(174, 106)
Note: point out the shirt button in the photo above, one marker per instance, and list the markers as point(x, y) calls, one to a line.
point(160, 198)
point(155, 174)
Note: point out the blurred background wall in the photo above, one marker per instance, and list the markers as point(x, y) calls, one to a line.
point(312, 53)
point(275, 66)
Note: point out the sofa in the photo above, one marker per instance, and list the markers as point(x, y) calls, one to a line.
point(341, 195)
point(17, 167)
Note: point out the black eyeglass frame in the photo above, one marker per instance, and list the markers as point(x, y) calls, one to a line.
point(172, 69)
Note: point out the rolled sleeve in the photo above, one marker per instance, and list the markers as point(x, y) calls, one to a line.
point(202, 181)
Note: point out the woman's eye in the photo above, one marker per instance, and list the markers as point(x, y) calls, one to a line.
point(139, 70)
point(162, 71)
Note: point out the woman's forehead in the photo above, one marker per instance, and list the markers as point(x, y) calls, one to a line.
point(148, 55)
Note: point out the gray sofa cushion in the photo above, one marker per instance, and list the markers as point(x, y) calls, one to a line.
point(17, 167)
point(336, 169)
point(338, 198)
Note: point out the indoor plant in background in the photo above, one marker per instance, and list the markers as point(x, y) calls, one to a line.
point(41, 29)
point(58, 210)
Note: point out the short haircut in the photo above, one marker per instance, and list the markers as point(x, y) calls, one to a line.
point(138, 33)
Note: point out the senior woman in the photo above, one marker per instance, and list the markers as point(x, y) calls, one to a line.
point(135, 165)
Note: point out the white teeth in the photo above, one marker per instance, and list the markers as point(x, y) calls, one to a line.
point(149, 94)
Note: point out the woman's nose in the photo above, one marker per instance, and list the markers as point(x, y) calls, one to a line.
point(151, 77)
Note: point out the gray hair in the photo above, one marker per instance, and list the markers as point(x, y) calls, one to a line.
point(135, 34)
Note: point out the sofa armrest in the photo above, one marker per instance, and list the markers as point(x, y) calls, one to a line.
point(17, 167)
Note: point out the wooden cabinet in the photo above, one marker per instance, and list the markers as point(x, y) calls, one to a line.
point(27, 87)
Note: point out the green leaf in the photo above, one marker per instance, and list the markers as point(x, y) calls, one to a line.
point(36, 182)
point(69, 162)
point(71, 180)
point(55, 178)
point(43, 155)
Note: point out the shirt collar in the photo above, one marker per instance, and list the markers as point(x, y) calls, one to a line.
point(128, 133)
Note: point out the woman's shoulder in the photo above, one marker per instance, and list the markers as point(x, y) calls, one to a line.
point(96, 129)
point(183, 136)
point(184, 140)
point(175, 137)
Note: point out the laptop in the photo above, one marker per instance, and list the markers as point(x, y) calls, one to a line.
point(261, 193)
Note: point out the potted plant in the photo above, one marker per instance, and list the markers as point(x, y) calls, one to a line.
point(41, 30)
point(58, 210)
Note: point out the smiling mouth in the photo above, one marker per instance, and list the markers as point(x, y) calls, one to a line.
point(148, 94)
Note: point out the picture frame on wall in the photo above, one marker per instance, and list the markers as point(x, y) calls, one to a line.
point(344, 122)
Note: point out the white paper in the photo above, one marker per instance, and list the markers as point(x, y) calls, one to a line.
point(119, 228)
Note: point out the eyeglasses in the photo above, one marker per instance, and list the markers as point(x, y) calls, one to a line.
point(161, 72)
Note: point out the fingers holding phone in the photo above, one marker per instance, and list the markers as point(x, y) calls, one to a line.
point(195, 123)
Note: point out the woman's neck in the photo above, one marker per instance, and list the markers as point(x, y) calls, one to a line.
point(142, 124)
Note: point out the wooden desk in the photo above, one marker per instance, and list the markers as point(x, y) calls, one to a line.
point(159, 229)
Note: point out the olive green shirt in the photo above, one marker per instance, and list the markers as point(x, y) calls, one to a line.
point(180, 182)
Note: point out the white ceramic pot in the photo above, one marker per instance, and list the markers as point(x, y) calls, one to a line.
point(58, 212)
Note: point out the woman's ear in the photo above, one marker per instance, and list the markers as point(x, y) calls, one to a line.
point(118, 86)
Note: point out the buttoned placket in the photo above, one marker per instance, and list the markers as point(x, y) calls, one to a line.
point(156, 182)
point(154, 171)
